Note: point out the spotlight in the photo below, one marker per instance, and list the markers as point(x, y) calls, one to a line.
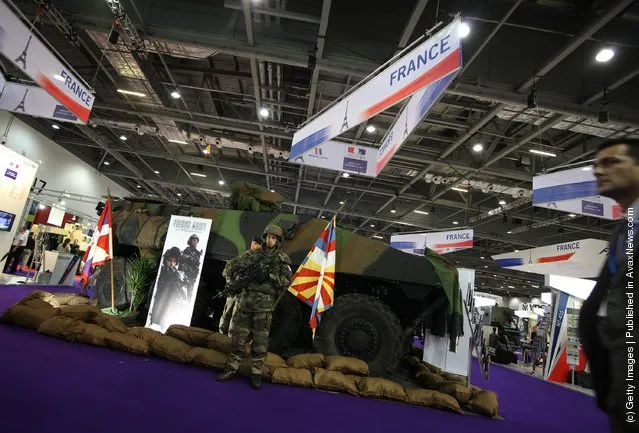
point(455, 222)
point(478, 147)
point(502, 202)
point(264, 112)
point(175, 94)
point(464, 30)
point(123, 137)
point(220, 182)
point(106, 163)
point(370, 128)
point(604, 55)
point(345, 175)
point(54, 126)
point(156, 172)
point(393, 210)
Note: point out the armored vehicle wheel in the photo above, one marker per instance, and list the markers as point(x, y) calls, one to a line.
point(286, 325)
point(364, 327)
point(103, 285)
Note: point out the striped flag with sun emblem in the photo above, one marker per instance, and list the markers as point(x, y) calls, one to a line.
point(314, 281)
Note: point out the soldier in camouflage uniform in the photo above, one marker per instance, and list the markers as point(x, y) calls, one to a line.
point(252, 318)
point(190, 259)
point(170, 292)
point(231, 300)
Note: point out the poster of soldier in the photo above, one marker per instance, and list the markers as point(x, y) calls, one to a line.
point(179, 272)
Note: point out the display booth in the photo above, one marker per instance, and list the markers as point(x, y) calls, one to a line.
point(565, 354)
point(436, 349)
point(16, 177)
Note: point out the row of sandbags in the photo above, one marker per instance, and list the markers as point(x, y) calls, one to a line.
point(71, 318)
point(472, 397)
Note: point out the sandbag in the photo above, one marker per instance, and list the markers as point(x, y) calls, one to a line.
point(432, 368)
point(207, 358)
point(306, 360)
point(334, 381)
point(419, 370)
point(293, 376)
point(485, 403)
point(456, 390)
point(127, 343)
point(84, 312)
point(108, 322)
point(59, 299)
point(378, 387)
point(59, 327)
point(411, 363)
point(429, 380)
point(474, 390)
point(219, 342)
point(171, 349)
point(90, 333)
point(147, 334)
point(78, 300)
point(31, 314)
point(271, 362)
point(430, 398)
point(450, 377)
point(346, 365)
point(190, 335)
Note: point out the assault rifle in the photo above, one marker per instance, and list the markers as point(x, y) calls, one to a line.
point(247, 271)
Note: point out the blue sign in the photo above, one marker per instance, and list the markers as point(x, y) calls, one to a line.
point(62, 112)
point(592, 208)
point(11, 174)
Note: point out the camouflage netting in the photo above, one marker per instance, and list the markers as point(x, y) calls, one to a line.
point(70, 317)
point(255, 198)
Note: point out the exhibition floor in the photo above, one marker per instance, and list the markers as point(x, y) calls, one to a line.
point(51, 385)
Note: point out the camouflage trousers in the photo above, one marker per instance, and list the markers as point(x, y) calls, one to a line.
point(244, 326)
point(227, 314)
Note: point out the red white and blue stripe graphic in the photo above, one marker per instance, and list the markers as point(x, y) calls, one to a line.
point(568, 191)
point(519, 261)
point(101, 246)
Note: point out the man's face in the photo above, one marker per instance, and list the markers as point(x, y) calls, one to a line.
point(194, 242)
point(616, 171)
point(271, 241)
point(255, 245)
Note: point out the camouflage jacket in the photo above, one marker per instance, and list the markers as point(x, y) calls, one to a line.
point(261, 296)
point(229, 271)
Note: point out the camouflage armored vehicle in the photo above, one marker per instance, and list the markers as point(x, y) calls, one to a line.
point(383, 297)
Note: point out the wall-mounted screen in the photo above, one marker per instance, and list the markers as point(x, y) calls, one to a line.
point(6, 221)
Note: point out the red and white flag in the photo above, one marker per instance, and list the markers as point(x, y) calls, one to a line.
point(101, 248)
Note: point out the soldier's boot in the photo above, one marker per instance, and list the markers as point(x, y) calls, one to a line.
point(226, 375)
point(256, 381)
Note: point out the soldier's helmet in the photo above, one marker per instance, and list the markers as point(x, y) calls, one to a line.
point(193, 237)
point(275, 231)
point(173, 253)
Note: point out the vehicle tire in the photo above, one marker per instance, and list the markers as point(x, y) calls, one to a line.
point(364, 327)
point(286, 324)
point(103, 285)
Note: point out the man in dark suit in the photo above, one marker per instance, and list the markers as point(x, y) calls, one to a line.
point(606, 323)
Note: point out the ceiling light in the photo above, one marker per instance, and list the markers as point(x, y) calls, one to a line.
point(139, 186)
point(541, 152)
point(459, 189)
point(485, 266)
point(372, 226)
point(502, 202)
point(341, 202)
point(264, 112)
point(177, 141)
point(156, 172)
point(378, 237)
point(370, 128)
point(393, 210)
point(478, 147)
point(179, 194)
point(272, 190)
point(421, 212)
point(345, 175)
point(54, 126)
point(464, 30)
point(516, 251)
point(604, 55)
point(509, 232)
point(572, 215)
point(511, 287)
point(123, 137)
point(455, 222)
point(129, 92)
point(175, 94)
point(198, 174)
point(220, 182)
point(587, 168)
point(106, 163)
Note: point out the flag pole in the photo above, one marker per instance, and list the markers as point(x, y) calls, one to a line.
point(334, 217)
point(111, 250)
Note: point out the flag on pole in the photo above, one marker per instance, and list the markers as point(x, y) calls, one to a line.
point(101, 248)
point(314, 281)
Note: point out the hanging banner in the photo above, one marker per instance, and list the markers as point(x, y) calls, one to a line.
point(581, 259)
point(572, 346)
point(573, 191)
point(32, 57)
point(410, 118)
point(336, 155)
point(440, 242)
point(430, 61)
point(179, 272)
point(34, 101)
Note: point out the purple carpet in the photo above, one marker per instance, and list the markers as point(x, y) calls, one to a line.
point(48, 385)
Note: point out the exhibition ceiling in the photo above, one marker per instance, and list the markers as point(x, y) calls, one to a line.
point(534, 94)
